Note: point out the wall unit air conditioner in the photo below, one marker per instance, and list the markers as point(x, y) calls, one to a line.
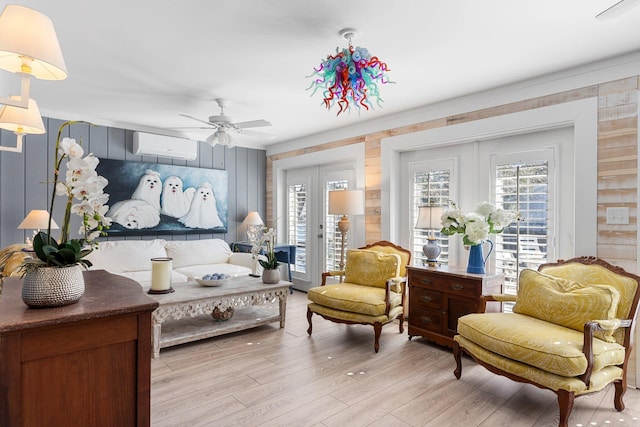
point(164, 146)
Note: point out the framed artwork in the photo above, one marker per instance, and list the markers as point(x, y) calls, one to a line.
point(151, 198)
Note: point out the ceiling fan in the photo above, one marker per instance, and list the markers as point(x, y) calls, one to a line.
point(224, 126)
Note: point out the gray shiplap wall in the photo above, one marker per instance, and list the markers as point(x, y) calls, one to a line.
point(24, 177)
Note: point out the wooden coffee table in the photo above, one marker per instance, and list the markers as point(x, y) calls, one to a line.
point(185, 315)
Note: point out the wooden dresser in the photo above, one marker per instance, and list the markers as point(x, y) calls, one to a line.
point(85, 364)
point(438, 296)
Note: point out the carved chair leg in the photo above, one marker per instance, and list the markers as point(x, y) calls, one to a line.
point(309, 314)
point(565, 404)
point(621, 388)
point(401, 320)
point(377, 329)
point(457, 356)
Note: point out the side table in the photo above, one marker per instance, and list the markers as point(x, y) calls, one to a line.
point(438, 296)
point(284, 253)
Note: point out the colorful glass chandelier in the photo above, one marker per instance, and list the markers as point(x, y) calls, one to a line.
point(350, 78)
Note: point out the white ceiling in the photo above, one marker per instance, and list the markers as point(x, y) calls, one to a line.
point(137, 64)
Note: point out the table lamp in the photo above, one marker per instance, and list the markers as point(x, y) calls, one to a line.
point(429, 219)
point(254, 227)
point(345, 202)
point(36, 220)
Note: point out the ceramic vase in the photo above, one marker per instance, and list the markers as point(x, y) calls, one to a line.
point(53, 286)
point(477, 261)
point(271, 277)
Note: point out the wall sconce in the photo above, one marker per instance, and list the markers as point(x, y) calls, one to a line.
point(29, 48)
point(345, 202)
point(429, 219)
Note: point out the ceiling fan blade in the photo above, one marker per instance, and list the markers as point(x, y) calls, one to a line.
point(252, 124)
point(617, 9)
point(256, 133)
point(199, 120)
point(194, 127)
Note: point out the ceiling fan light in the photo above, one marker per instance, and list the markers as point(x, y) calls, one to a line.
point(212, 139)
point(223, 137)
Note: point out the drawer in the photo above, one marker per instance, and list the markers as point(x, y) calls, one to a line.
point(452, 284)
point(429, 320)
point(424, 298)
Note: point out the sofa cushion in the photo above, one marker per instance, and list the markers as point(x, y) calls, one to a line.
point(545, 345)
point(198, 252)
point(353, 298)
point(370, 268)
point(565, 302)
point(144, 277)
point(120, 256)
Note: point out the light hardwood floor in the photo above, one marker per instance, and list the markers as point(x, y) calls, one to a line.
point(280, 377)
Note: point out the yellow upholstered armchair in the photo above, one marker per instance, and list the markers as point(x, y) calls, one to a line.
point(570, 331)
point(373, 292)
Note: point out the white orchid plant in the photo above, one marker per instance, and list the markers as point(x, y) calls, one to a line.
point(266, 246)
point(476, 226)
point(82, 184)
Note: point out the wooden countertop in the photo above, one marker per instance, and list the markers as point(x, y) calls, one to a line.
point(105, 295)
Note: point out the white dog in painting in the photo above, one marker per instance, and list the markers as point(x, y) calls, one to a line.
point(175, 202)
point(134, 214)
point(203, 212)
point(149, 189)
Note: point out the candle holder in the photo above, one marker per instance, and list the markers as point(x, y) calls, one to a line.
point(161, 276)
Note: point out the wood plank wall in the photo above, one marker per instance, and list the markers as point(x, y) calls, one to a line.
point(617, 160)
point(24, 176)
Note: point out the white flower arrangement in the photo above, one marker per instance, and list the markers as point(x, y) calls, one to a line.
point(267, 243)
point(82, 183)
point(476, 226)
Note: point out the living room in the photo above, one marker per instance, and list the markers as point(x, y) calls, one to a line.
point(585, 116)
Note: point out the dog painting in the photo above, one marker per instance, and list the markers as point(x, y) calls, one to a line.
point(149, 198)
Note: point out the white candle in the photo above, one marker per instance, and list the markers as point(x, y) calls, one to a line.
point(160, 274)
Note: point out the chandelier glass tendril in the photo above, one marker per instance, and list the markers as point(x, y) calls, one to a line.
point(350, 78)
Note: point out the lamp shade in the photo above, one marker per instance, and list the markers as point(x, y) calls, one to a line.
point(429, 217)
point(346, 202)
point(27, 33)
point(36, 220)
point(22, 120)
point(253, 218)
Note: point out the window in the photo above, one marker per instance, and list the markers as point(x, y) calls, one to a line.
point(430, 188)
point(297, 224)
point(522, 187)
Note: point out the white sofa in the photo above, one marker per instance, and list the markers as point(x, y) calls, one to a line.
point(190, 258)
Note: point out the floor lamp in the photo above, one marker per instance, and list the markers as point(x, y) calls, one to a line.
point(345, 202)
point(429, 219)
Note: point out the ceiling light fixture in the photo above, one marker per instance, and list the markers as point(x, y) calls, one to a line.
point(29, 48)
point(220, 136)
point(350, 77)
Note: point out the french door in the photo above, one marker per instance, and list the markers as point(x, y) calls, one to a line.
point(309, 226)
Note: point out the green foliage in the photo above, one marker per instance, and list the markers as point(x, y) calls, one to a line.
point(68, 253)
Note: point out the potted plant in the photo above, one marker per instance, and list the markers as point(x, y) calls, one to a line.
point(54, 277)
point(269, 263)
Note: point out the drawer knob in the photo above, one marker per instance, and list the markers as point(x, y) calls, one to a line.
point(426, 299)
point(457, 286)
point(425, 281)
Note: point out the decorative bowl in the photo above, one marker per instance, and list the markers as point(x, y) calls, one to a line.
point(220, 316)
point(206, 281)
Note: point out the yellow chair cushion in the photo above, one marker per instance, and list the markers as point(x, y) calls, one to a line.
point(597, 274)
point(544, 345)
point(370, 268)
point(565, 302)
point(599, 379)
point(353, 298)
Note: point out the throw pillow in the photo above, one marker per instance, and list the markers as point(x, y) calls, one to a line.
point(565, 302)
point(370, 268)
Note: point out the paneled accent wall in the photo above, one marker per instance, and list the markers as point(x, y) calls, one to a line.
point(617, 159)
point(24, 176)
